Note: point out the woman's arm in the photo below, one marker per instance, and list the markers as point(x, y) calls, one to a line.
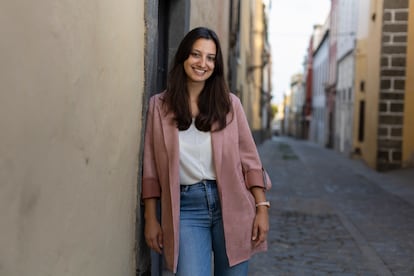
point(153, 232)
point(255, 180)
point(249, 157)
point(261, 221)
point(150, 186)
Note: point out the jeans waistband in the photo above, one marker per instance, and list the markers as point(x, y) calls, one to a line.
point(202, 183)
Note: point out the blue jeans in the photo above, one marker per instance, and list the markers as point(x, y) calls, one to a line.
point(201, 233)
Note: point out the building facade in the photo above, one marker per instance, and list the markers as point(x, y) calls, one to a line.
point(307, 87)
point(383, 94)
point(366, 110)
point(308, 79)
point(297, 94)
point(346, 12)
point(250, 62)
point(330, 89)
point(318, 125)
point(367, 81)
point(287, 114)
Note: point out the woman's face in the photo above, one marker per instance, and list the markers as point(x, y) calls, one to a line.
point(199, 65)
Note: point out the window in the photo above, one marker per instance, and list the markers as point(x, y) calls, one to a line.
point(361, 123)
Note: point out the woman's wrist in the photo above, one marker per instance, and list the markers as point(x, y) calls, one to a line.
point(262, 210)
point(150, 209)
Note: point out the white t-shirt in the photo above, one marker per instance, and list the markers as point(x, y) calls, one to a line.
point(196, 156)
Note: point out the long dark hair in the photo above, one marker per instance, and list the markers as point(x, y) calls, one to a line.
point(214, 100)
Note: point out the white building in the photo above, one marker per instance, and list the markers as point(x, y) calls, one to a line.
point(318, 127)
point(297, 102)
point(346, 30)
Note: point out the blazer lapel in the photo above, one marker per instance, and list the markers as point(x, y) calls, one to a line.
point(170, 132)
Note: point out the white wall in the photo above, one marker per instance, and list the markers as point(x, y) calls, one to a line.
point(71, 81)
point(348, 11)
point(318, 128)
point(364, 17)
point(344, 105)
point(347, 26)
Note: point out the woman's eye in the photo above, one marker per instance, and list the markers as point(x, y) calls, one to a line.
point(195, 54)
point(212, 59)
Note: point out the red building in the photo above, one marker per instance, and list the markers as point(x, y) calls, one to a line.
point(307, 107)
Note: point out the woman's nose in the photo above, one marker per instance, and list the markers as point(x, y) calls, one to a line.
point(203, 61)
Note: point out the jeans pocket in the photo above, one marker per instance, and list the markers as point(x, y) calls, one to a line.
point(184, 188)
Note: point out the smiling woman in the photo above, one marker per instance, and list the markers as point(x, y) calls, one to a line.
point(201, 161)
point(196, 87)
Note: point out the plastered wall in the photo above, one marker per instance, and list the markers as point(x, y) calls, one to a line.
point(367, 70)
point(71, 84)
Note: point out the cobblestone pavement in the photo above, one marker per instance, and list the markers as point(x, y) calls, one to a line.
point(332, 215)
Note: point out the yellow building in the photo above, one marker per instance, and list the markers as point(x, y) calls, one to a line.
point(250, 57)
point(383, 98)
point(286, 118)
point(367, 80)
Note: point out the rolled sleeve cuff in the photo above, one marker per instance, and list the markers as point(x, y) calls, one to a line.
point(254, 178)
point(150, 188)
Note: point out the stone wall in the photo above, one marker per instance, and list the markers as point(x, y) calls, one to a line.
point(392, 77)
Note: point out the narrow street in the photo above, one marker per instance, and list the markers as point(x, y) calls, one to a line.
point(332, 215)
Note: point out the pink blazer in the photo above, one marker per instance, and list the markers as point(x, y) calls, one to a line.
point(238, 168)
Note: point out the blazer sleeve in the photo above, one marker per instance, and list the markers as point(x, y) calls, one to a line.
point(254, 174)
point(150, 181)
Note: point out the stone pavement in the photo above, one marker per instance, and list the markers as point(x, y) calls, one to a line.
point(332, 215)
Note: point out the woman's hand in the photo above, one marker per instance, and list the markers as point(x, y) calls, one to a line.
point(153, 235)
point(260, 225)
point(152, 231)
point(261, 221)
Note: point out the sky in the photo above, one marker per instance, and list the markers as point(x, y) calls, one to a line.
point(290, 26)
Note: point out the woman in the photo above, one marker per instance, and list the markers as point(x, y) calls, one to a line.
point(201, 161)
